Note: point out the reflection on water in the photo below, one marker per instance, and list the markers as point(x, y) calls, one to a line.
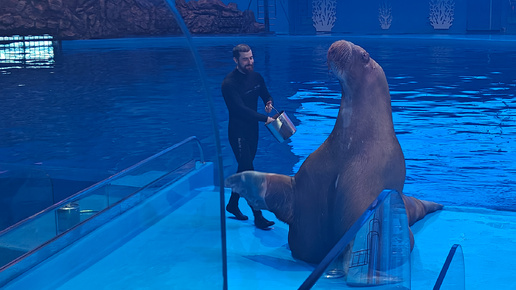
point(106, 104)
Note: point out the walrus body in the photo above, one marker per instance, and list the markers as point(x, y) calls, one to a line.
point(337, 182)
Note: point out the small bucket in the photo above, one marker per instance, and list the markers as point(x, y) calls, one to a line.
point(68, 216)
point(281, 128)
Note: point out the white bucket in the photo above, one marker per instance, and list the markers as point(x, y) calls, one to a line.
point(281, 128)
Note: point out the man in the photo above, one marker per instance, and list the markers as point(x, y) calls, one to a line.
point(241, 89)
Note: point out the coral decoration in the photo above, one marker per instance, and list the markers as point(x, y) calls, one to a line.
point(385, 15)
point(441, 13)
point(324, 14)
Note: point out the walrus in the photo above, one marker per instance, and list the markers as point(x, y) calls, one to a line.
point(338, 181)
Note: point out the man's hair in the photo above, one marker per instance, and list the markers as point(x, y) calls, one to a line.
point(240, 48)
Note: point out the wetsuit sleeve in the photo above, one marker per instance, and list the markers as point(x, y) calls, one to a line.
point(264, 94)
point(237, 107)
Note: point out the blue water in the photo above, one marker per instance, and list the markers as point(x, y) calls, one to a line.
point(106, 104)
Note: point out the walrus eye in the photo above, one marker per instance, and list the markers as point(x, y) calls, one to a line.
point(365, 56)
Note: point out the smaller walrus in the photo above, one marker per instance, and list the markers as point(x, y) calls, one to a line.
point(360, 158)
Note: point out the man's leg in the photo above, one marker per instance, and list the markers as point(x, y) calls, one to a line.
point(261, 222)
point(240, 150)
point(244, 153)
point(232, 207)
point(247, 164)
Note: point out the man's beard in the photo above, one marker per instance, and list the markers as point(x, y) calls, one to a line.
point(247, 69)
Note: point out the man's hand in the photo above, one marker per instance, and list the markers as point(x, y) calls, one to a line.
point(268, 107)
point(269, 119)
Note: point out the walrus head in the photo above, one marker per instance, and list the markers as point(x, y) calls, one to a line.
point(339, 55)
point(364, 85)
point(347, 60)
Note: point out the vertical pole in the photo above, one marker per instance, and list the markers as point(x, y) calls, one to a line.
point(266, 15)
point(490, 15)
point(214, 122)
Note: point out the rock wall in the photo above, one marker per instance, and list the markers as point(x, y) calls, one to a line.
point(86, 19)
point(203, 15)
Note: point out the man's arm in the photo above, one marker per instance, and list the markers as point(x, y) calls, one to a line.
point(237, 107)
point(266, 96)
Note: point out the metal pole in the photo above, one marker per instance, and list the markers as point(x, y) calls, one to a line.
point(490, 15)
point(202, 73)
point(266, 14)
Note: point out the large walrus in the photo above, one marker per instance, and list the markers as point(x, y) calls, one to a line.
point(336, 183)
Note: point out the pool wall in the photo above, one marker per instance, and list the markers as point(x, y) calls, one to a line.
point(129, 17)
point(356, 16)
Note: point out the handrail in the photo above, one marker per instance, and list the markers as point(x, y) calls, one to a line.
point(109, 179)
point(446, 266)
point(344, 241)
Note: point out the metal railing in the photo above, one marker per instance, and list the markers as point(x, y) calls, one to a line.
point(99, 202)
point(452, 274)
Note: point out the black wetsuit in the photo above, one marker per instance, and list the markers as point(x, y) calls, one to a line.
point(241, 92)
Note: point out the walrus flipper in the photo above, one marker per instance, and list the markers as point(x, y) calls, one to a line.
point(417, 209)
point(273, 192)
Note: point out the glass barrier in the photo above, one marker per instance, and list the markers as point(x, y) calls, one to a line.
point(25, 190)
point(374, 252)
point(144, 178)
point(80, 74)
point(71, 65)
point(452, 274)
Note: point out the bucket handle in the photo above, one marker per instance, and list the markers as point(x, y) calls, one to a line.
point(275, 109)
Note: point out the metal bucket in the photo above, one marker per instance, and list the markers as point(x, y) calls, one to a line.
point(68, 216)
point(281, 128)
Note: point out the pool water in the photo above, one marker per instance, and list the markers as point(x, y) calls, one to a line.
point(107, 104)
